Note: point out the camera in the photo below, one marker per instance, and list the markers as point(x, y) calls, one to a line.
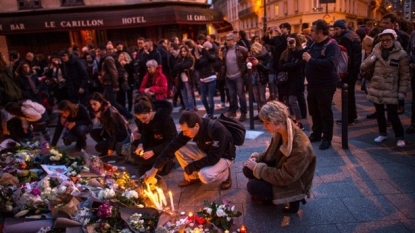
point(291, 41)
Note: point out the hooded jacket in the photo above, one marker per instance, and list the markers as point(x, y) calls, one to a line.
point(390, 77)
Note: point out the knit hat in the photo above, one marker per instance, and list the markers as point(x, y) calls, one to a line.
point(390, 32)
point(341, 23)
point(207, 44)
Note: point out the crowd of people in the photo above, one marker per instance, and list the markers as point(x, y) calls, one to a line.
point(98, 83)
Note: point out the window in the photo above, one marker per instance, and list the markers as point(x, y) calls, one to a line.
point(276, 9)
point(28, 4)
point(72, 2)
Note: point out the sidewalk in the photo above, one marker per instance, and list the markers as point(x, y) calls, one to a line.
point(369, 187)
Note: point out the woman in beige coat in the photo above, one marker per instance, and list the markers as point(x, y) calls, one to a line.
point(284, 172)
point(389, 82)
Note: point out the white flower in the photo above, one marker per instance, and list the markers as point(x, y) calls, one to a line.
point(74, 164)
point(73, 173)
point(209, 211)
point(233, 208)
point(62, 189)
point(220, 212)
point(228, 219)
point(130, 194)
point(107, 193)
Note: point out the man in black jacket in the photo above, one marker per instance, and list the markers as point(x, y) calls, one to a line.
point(351, 41)
point(205, 152)
point(76, 76)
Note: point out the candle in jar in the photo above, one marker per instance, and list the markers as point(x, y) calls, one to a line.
point(171, 201)
point(191, 217)
point(242, 229)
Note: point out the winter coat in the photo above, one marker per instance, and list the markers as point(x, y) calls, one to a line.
point(158, 84)
point(108, 71)
point(390, 77)
point(9, 89)
point(75, 74)
point(206, 62)
point(295, 69)
point(261, 70)
point(160, 131)
point(31, 112)
point(295, 164)
point(241, 55)
point(27, 91)
point(81, 118)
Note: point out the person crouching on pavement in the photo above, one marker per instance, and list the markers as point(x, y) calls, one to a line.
point(157, 129)
point(284, 172)
point(204, 150)
point(77, 122)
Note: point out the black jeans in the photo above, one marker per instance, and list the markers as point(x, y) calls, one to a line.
point(78, 134)
point(102, 140)
point(256, 187)
point(392, 111)
point(111, 96)
point(319, 106)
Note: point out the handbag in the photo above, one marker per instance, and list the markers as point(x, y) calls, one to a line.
point(184, 77)
point(282, 77)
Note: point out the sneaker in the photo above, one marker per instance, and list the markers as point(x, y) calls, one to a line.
point(380, 138)
point(400, 143)
point(299, 125)
point(410, 129)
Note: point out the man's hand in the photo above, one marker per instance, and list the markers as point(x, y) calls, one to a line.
point(306, 56)
point(110, 152)
point(150, 174)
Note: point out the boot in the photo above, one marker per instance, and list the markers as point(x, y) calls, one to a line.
point(227, 183)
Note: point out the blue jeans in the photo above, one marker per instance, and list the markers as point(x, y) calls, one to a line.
point(236, 90)
point(207, 90)
point(258, 90)
point(187, 95)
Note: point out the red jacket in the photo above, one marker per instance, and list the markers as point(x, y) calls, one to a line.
point(159, 85)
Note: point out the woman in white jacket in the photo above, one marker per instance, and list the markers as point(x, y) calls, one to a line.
point(31, 114)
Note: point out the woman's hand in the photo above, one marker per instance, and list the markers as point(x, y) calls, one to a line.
point(139, 151)
point(110, 152)
point(148, 154)
point(250, 163)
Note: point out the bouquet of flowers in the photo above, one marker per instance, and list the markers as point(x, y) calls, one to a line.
point(140, 223)
point(220, 215)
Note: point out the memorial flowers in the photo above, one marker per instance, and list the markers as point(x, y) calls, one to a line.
point(221, 215)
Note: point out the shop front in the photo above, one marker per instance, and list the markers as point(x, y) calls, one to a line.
point(47, 31)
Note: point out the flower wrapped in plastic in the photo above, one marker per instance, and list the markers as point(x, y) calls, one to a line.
point(220, 215)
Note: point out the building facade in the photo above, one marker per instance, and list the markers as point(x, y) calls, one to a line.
point(44, 26)
point(250, 15)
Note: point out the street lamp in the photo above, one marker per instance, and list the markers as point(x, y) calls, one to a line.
point(265, 16)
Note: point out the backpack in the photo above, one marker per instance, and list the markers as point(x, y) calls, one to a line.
point(341, 67)
point(236, 129)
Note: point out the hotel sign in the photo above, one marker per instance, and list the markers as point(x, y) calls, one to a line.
point(107, 19)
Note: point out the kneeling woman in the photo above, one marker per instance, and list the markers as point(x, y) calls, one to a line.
point(157, 129)
point(114, 132)
point(284, 172)
point(77, 122)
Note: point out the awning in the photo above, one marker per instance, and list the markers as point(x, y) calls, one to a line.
point(223, 26)
point(108, 19)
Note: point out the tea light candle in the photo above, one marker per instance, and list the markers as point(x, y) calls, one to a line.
point(242, 229)
point(191, 217)
point(171, 201)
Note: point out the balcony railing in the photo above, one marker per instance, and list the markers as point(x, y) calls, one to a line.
point(247, 12)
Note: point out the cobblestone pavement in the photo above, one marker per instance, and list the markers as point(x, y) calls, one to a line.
point(369, 187)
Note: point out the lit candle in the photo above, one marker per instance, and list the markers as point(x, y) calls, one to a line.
point(171, 201)
point(163, 201)
point(197, 230)
point(242, 229)
point(226, 231)
point(191, 217)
